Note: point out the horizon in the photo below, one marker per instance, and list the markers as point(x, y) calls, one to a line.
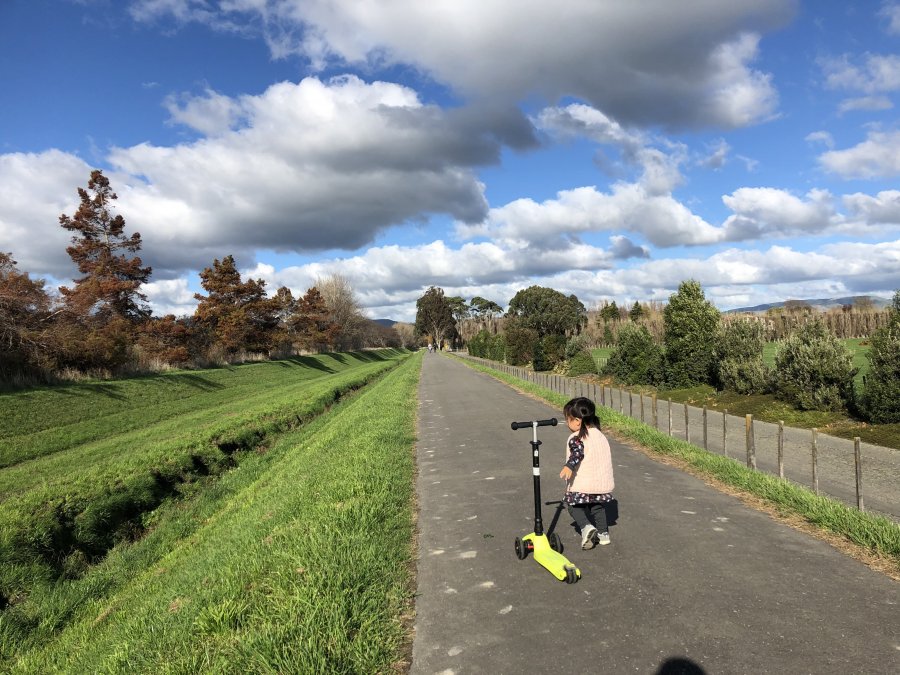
point(752, 145)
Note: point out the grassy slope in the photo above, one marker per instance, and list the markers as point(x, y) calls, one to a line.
point(301, 562)
point(60, 510)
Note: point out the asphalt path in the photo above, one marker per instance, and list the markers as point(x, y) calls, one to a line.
point(694, 581)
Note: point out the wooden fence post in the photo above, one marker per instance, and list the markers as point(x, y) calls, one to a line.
point(815, 460)
point(687, 424)
point(621, 403)
point(859, 490)
point(603, 395)
point(655, 412)
point(642, 406)
point(705, 433)
point(751, 443)
point(669, 407)
point(781, 449)
point(725, 432)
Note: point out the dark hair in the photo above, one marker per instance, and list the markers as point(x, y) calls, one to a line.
point(583, 409)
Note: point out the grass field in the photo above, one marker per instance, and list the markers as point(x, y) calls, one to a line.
point(207, 527)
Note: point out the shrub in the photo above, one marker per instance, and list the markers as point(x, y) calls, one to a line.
point(582, 364)
point(520, 345)
point(880, 401)
point(636, 358)
point(741, 368)
point(554, 348)
point(814, 371)
point(539, 363)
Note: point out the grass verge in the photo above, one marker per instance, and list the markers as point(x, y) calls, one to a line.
point(303, 564)
point(877, 538)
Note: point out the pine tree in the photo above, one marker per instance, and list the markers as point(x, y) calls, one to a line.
point(691, 324)
point(236, 315)
point(110, 287)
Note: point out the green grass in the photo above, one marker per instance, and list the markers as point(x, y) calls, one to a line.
point(297, 560)
point(63, 510)
point(874, 533)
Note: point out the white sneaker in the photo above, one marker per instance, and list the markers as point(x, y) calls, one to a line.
point(603, 538)
point(588, 538)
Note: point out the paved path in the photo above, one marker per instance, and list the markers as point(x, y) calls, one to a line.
point(691, 574)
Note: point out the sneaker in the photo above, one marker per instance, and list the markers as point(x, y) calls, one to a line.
point(588, 538)
point(602, 538)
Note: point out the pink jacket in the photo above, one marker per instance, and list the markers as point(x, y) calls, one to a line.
point(594, 474)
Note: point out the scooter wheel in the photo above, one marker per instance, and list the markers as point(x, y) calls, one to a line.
point(555, 542)
point(571, 575)
point(521, 549)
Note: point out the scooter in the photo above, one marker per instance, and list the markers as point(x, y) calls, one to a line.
point(547, 549)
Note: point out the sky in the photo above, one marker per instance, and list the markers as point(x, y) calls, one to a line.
point(602, 148)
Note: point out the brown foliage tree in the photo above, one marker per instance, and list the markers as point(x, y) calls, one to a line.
point(112, 278)
point(24, 316)
point(164, 341)
point(236, 315)
point(315, 330)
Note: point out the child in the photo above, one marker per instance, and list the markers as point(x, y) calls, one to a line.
point(588, 472)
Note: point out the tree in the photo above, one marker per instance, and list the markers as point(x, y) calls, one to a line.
point(609, 312)
point(312, 322)
point(880, 400)
point(434, 315)
point(636, 358)
point(547, 311)
point(814, 370)
point(740, 358)
point(24, 316)
point(521, 343)
point(236, 315)
point(691, 324)
point(482, 308)
point(110, 287)
point(636, 311)
point(343, 311)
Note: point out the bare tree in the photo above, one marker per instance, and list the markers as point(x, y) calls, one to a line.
point(344, 311)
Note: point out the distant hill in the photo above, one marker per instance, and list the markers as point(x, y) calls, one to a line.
point(821, 304)
point(385, 322)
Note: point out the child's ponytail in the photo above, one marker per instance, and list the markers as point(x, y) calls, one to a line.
point(583, 409)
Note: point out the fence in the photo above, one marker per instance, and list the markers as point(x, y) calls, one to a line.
point(826, 464)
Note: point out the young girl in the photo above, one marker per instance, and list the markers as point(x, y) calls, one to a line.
point(588, 472)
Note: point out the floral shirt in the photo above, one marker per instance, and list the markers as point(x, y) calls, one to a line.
point(576, 454)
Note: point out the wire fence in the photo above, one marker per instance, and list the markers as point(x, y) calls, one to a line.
point(859, 474)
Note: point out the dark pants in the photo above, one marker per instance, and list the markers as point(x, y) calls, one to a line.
point(583, 514)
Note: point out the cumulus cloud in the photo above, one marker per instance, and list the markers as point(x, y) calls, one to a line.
point(765, 212)
point(690, 66)
point(311, 166)
point(876, 157)
point(35, 189)
point(870, 73)
point(629, 207)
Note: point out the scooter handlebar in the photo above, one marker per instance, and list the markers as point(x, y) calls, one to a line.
point(539, 423)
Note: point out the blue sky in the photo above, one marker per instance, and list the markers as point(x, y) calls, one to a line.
point(605, 149)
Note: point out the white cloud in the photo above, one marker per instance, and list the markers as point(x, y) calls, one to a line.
point(823, 137)
point(660, 219)
point(890, 12)
point(867, 103)
point(876, 157)
point(760, 213)
point(35, 189)
point(883, 208)
point(874, 73)
point(689, 66)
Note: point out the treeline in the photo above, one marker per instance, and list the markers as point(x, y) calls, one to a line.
point(102, 324)
point(688, 342)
